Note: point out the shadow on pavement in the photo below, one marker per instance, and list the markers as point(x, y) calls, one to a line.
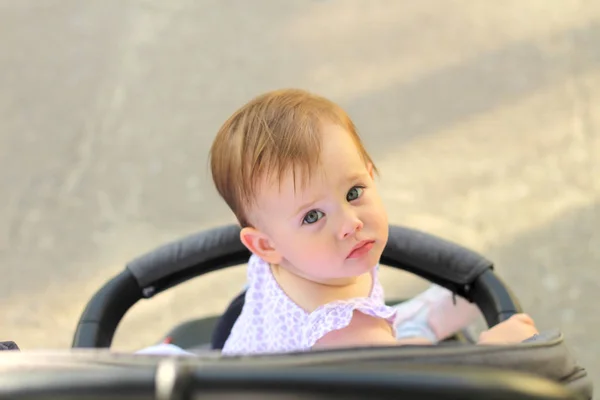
point(474, 87)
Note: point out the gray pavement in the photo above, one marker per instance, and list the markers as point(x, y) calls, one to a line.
point(482, 116)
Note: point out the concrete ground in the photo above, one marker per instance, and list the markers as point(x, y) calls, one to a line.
point(482, 116)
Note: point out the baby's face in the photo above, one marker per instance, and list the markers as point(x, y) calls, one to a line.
point(334, 228)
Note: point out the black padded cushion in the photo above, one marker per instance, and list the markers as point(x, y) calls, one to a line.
point(186, 253)
point(420, 253)
point(432, 257)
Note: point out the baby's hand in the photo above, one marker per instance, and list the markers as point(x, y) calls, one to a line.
point(517, 328)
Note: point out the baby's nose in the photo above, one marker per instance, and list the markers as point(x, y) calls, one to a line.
point(352, 224)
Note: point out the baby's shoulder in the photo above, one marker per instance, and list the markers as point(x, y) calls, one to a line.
point(340, 314)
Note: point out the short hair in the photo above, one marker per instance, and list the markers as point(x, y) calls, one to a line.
point(273, 134)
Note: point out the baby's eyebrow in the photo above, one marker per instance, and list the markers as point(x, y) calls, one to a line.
point(350, 178)
point(305, 206)
point(355, 176)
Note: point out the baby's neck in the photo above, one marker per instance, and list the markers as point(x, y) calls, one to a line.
point(310, 294)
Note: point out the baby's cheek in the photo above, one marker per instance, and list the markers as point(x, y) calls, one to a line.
point(303, 248)
point(321, 251)
point(377, 216)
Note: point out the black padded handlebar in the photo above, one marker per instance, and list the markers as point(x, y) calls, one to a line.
point(463, 271)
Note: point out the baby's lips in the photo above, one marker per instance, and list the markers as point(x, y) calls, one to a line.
point(360, 245)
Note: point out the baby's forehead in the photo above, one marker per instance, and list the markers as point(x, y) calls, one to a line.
point(297, 183)
point(287, 178)
point(279, 200)
point(302, 186)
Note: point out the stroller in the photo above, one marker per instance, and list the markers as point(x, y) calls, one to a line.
point(542, 368)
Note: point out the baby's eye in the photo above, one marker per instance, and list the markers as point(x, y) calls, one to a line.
point(312, 216)
point(354, 193)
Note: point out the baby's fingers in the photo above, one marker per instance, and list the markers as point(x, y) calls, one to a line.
point(524, 318)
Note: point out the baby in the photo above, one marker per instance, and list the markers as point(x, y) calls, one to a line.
point(294, 171)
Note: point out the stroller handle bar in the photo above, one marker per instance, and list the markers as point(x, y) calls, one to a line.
point(447, 264)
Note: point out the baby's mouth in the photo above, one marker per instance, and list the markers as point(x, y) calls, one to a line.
point(361, 248)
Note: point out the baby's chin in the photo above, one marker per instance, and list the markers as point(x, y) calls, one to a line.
point(341, 275)
point(357, 267)
point(345, 269)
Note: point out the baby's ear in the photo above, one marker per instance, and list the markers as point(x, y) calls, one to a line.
point(260, 244)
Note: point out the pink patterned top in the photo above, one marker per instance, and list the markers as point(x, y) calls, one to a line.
point(271, 322)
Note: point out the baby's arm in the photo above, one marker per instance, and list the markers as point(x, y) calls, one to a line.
point(365, 330)
point(437, 313)
point(514, 330)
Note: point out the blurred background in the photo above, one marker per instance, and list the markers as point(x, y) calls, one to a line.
point(482, 116)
